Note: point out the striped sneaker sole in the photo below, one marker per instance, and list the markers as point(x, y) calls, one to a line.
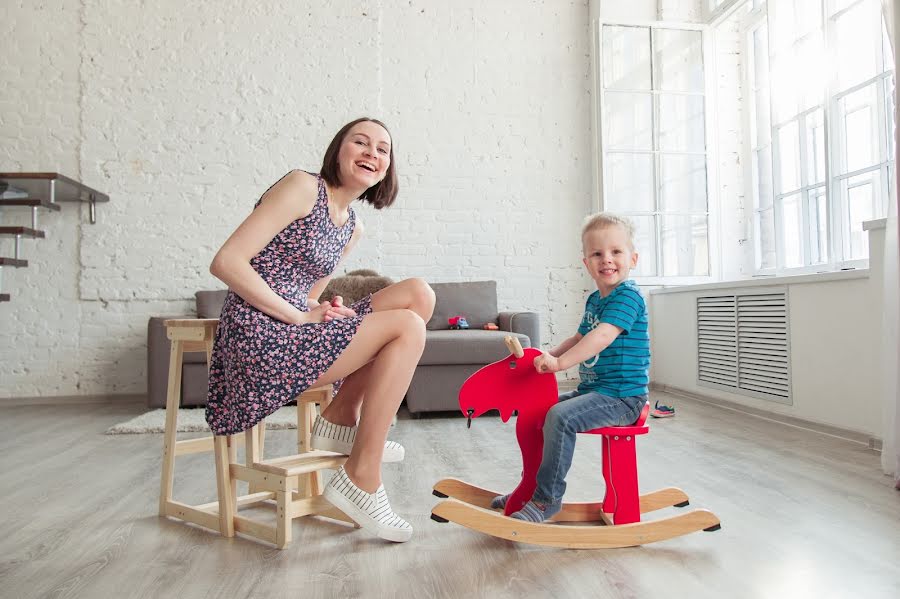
point(327, 436)
point(371, 511)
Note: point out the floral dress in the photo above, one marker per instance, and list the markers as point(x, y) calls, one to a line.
point(260, 363)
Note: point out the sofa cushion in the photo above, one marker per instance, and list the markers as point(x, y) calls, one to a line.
point(474, 346)
point(209, 303)
point(476, 300)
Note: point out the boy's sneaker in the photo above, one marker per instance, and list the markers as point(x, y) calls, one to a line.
point(659, 411)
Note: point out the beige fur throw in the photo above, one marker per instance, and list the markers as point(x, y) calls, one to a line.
point(355, 285)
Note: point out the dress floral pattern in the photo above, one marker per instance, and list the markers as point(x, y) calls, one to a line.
point(260, 363)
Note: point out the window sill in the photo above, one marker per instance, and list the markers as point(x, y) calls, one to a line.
point(799, 279)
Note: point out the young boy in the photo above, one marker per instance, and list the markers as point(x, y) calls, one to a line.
point(613, 348)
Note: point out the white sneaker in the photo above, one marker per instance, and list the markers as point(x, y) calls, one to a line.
point(328, 436)
point(372, 511)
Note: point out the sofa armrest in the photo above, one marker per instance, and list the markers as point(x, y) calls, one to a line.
point(527, 323)
point(158, 348)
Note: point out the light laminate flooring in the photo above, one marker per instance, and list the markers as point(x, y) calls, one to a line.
point(803, 515)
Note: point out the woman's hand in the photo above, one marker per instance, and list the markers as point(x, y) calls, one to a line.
point(325, 312)
point(338, 309)
point(546, 363)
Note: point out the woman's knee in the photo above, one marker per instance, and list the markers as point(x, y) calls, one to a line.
point(411, 326)
point(422, 296)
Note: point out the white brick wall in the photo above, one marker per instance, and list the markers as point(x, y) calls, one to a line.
point(185, 113)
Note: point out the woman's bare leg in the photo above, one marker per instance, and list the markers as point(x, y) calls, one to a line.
point(391, 341)
point(410, 294)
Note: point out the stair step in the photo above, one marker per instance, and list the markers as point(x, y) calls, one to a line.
point(24, 231)
point(29, 202)
point(13, 262)
point(4, 297)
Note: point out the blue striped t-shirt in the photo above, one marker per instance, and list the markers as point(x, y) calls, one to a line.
point(622, 369)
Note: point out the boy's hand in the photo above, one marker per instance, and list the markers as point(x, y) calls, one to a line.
point(546, 363)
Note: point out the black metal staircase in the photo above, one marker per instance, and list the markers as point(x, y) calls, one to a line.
point(38, 191)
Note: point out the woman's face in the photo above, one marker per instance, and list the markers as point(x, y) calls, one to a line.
point(365, 155)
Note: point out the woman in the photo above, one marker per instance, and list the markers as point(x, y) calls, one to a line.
point(275, 339)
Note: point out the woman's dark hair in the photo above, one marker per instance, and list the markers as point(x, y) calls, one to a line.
point(380, 195)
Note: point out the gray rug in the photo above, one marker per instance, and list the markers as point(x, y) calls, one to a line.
point(194, 420)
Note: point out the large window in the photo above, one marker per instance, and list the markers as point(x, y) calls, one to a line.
point(820, 83)
point(653, 158)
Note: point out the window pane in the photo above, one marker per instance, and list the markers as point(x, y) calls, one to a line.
point(807, 16)
point(645, 245)
point(684, 246)
point(810, 71)
point(681, 126)
point(818, 226)
point(860, 195)
point(678, 60)
point(762, 177)
point(888, 96)
point(814, 124)
point(629, 120)
point(838, 5)
point(628, 179)
point(788, 158)
point(626, 57)
point(766, 250)
point(682, 183)
point(761, 115)
point(791, 228)
point(858, 45)
point(784, 88)
point(761, 57)
point(858, 119)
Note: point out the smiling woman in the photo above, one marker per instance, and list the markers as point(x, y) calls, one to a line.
point(275, 339)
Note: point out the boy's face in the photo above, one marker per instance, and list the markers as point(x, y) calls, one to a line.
point(608, 257)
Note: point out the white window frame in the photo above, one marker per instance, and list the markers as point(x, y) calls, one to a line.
point(838, 243)
point(599, 131)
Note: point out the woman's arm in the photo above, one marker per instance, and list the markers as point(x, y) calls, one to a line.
point(291, 198)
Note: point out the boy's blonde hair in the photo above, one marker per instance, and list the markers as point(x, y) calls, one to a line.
point(602, 220)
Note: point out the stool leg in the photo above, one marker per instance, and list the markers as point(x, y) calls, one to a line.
point(609, 499)
point(226, 486)
point(623, 474)
point(261, 442)
point(284, 516)
point(173, 401)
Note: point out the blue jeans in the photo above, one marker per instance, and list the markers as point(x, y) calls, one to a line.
point(574, 414)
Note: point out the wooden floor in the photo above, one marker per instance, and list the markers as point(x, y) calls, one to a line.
point(803, 515)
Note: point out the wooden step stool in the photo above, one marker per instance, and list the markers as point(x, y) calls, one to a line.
point(293, 482)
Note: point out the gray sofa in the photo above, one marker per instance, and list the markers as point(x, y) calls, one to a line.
point(449, 358)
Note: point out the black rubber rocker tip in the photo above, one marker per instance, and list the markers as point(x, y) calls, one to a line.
point(710, 529)
point(437, 518)
point(684, 503)
point(437, 493)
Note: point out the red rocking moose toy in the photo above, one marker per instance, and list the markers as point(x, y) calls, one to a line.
point(512, 384)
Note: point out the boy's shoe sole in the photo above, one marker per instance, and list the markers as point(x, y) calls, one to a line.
point(662, 414)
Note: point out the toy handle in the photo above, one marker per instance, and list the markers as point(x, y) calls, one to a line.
point(514, 346)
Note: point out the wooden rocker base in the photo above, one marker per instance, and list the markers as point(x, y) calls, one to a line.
point(469, 506)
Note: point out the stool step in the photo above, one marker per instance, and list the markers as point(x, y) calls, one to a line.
point(303, 463)
point(24, 231)
point(13, 262)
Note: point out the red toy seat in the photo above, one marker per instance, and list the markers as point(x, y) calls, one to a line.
point(620, 469)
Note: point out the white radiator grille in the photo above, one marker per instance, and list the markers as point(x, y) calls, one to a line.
point(743, 344)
